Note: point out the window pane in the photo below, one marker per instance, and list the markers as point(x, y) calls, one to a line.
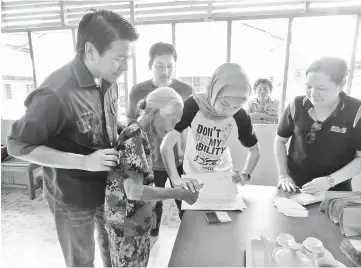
point(259, 47)
point(148, 35)
point(16, 74)
point(313, 38)
point(201, 48)
point(52, 50)
point(356, 82)
point(122, 93)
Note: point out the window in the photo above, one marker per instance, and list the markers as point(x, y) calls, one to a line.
point(311, 39)
point(52, 50)
point(201, 48)
point(8, 92)
point(121, 92)
point(299, 75)
point(29, 88)
point(356, 81)
point(199, 83)
point(16, 67)
point(148, 35)
point(259, 47)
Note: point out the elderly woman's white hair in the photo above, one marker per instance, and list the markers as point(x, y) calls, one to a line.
point(164, 99)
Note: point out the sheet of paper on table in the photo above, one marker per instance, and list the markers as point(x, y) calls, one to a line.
point(307, 199)
point(218, 193)
point(289, 207)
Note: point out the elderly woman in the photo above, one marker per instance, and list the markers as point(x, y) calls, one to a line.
point(263, 108)
point(130, 192)
point(216, 121)
point(325, 131)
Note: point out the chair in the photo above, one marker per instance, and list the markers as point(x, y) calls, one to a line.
point(12, 164)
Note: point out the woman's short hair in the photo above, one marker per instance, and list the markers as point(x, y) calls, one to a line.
point(334, 67)
point(266, 81)
point(165, 99)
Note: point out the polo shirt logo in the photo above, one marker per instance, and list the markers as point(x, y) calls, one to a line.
point(338, 129)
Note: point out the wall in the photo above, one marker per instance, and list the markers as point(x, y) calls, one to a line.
point(266, 171)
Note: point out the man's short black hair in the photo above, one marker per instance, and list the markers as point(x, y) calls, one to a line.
point(335, 67)
point(266, 81)
point(101, 28)
point(159, 49)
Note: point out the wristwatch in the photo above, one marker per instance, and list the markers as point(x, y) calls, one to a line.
point(331, 181)
point(247, 175)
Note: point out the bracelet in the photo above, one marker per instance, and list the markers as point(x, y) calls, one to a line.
point(247, 175)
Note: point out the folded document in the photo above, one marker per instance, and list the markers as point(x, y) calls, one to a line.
point(289, 207)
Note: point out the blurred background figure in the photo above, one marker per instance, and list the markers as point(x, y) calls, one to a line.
point(263, 109)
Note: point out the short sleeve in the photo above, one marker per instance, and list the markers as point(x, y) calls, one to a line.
point(134, 158)
point(286, 126)
point(246, 134)
point(44, 118)
point(189, 112)
point(356, 131)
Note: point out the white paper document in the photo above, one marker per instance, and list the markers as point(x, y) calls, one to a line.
point(307, 199)
point(290, 207)
point(218, 193)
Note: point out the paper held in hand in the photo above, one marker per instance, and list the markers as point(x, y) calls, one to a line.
point(218, 193)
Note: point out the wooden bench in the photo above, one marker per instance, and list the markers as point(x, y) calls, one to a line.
point(13, 165)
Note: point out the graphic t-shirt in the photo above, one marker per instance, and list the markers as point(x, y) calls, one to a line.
point(208, 142)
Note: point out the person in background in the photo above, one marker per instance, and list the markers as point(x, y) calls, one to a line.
point(263, 108)
point(325, 131)
point(216, 121)
point(69, 128)
point(130, 191)
point(162, 63)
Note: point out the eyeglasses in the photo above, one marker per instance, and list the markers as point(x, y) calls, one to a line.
point(311, 136)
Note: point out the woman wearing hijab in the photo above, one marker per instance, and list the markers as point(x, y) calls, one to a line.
point(216, 120)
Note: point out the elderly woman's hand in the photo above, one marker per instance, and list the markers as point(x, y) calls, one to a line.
point(189, 184)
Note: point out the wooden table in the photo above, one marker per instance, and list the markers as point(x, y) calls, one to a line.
point(23, 167)
point(199, 244)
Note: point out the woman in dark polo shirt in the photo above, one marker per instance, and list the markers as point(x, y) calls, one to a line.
point(325, 131)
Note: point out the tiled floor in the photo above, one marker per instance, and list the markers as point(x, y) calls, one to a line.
point(28, 235)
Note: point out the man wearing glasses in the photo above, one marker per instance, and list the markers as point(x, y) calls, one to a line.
point(162, 60)
point(69, 128)
point(325, 131)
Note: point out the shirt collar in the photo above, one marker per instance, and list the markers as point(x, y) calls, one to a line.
point(84, 76)
point(308, 105)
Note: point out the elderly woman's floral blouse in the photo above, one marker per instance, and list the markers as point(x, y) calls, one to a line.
point(128, 222)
